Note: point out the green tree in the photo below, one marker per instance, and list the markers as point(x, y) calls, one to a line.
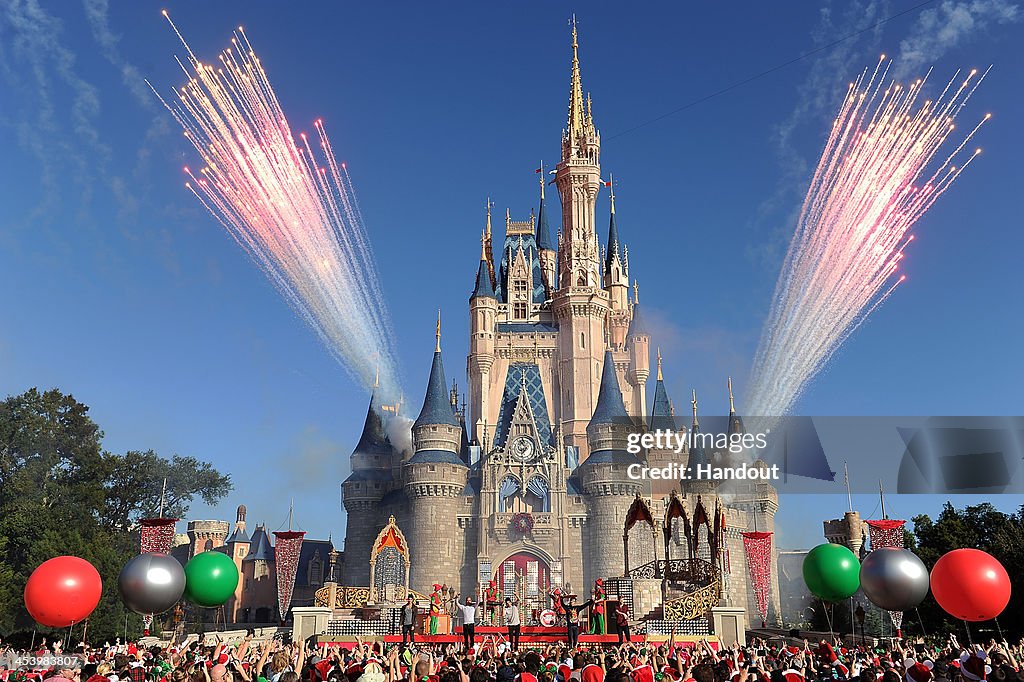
point(980, 527)
point(61, 493)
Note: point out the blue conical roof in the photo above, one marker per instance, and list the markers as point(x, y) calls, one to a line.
point(374, 439)
point(613, 244)
point(610, 408)
point(437, 408)
point(544, 242)
point(483, 282)
point(661, 412)
point(259, 548)
point(636, 324)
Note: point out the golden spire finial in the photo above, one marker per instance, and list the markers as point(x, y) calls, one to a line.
point(437, 333)
point(659, 364)
point(611, 190)
point(541, 172)
point(376, 375)
point(636, 292)
point(483, 246)
point(732, 405)
point(489, 204)
point(694, 403)
point(577, 122)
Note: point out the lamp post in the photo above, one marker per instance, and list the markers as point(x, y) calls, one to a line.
point(859, 613)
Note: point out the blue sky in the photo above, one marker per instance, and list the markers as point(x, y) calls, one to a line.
point(123, 292)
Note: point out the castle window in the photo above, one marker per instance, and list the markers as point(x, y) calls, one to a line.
point(519, 287)
point(519, 311)
point(316, 570)
point(581, 280)
point(583, 340)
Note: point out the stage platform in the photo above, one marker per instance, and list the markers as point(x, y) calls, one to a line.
point(530, 636)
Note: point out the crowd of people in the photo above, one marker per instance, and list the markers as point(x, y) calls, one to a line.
point(497, 659)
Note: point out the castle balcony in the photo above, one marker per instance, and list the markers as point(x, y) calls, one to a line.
point(543, 524)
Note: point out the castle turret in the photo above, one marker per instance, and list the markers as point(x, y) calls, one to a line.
point(735, 420)
point(638, 342)
point(206, 535)
point(580, 305)
point(616, 279)
point(483, 316)
point(608, 489)
point(545, 246)
point(362, 491)
point(435, 477)
point(237, 549)
point(258, 601)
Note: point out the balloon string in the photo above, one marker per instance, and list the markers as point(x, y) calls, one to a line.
point(920, 620)
point(969, 639)
point(999, 629)
point(828, 618)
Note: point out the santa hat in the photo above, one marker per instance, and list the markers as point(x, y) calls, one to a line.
point(436, 587)
point(973, 667)
point(792, 676)
point(826, 651)
point(918, 672)
point(791, 651)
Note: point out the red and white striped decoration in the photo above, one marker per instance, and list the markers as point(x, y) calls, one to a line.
point(156, 535)
point(287, 547)
point(888, 533)
point(758, 548)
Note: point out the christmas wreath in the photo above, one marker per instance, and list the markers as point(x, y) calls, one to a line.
point(522, 522)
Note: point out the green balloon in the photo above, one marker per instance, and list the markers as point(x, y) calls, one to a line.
point(210, 579)
point(831, 572)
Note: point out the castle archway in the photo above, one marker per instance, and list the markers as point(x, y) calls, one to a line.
point(527, 575)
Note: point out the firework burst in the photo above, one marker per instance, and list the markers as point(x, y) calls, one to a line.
point(871, 185)
point(294, 211)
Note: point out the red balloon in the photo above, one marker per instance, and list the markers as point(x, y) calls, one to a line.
point(970, 585)
point(63, 591)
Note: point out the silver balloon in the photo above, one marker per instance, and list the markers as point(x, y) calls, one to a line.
point(151, 583)
point(894, 579)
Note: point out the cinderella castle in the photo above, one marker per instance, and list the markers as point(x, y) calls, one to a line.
point(527, 484)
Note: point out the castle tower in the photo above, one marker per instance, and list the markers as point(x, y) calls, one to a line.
point(237, 549)
point(483, 315)
point(638, 343)
point(545, 246)
point(580, 304)
point(258, 601)
point(435, 478)
point(206, 535)
point(607, 488)
point(362, 491)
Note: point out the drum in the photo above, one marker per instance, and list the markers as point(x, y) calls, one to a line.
point(548, 618)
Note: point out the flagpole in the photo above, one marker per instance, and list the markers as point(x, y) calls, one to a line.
point(849, 495)
point(881, 498)
point(163, 496)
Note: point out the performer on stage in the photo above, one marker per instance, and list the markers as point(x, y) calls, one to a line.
point(408, 619)
point(572, 617)
point(556, 603)
point(597, 613)
point(511, 614)
point(435, 608)
point(622, 620)
point(492, 600)
point(468, 621)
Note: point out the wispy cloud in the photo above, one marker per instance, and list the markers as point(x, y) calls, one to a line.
point(35, 63)
point(947, 26)
point(816, 100)
point(96, 13)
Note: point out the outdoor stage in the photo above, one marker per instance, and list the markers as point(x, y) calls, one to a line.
point(531, 635)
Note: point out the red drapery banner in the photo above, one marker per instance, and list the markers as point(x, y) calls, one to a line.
point(157, 535)
point(287, 546)
point(888, 533)
point(758, 548)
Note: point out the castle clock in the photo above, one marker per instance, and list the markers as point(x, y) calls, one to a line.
point(523, 448)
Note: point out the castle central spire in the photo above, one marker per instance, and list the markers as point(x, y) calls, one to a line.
point(577, 115)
